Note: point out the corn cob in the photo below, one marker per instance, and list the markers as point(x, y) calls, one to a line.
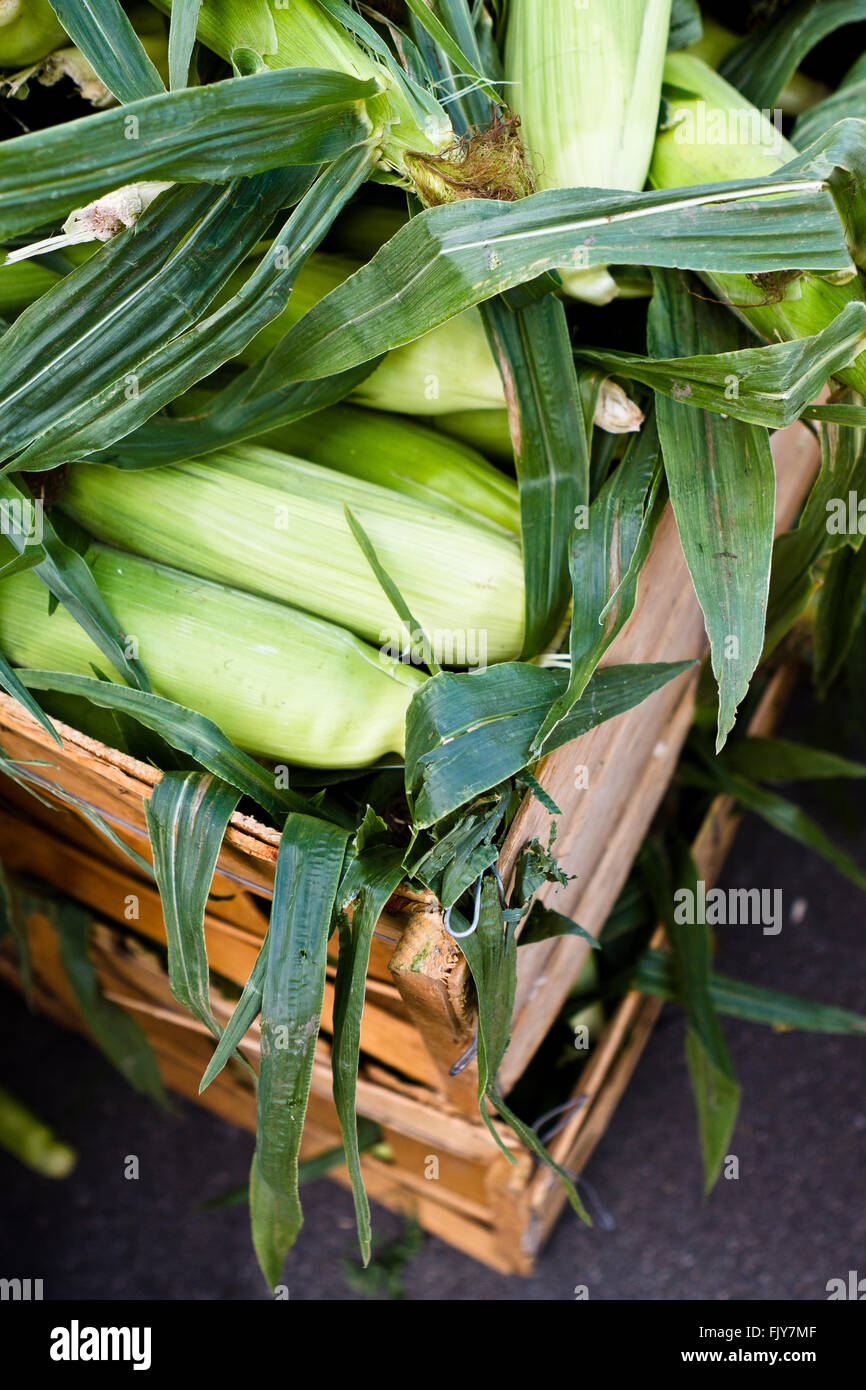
point(274, 525)
point(586, 83)
point(28, 30)
point(451, 368)
point(407, 458)
point(30, 1140)
point(717, 42)
point(487, 431)
point(746, 144)
point(278, 683)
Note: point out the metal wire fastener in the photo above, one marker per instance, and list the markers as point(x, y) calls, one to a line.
point(503, 900)
point(446, 920)
point(605, 1218)
point(465, 1058)
point(561, 1114)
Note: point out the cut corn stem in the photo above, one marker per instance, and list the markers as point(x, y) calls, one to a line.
point(615, 411)
point(279, 683)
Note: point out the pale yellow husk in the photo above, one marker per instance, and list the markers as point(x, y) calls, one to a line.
point(278, 683)
point(275, 525)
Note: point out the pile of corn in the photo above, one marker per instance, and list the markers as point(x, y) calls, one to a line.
point(292, 646)
point(322, 681)
point(407, 504)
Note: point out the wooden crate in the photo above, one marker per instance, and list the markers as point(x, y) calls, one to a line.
point(419, 1016)
point(500, 1213)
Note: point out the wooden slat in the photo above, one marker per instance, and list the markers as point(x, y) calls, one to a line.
point(629, 759)
point(116, 786)
point(611, 1066)
point(58, 847)
point(384, 1034)
point(132, 972)
point(497, 1212)
point(426, 968)
point(107, 888)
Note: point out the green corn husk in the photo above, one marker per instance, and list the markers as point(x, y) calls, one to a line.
point(152, 30)
point(29, 29)
point(67, 61)
point(21, 283)
point(364, 228)
point(70, 61)
point(408, 458)
point(280, 684)
point(396, 453)
point(488, 431)
point(275, 525)
point(302, 34)
point(30, 1140)
point(586, 82)
point(450, 369)
point(717, 42)
point(704, 105)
